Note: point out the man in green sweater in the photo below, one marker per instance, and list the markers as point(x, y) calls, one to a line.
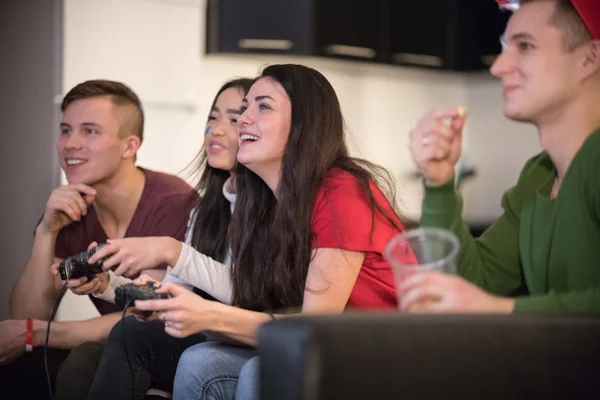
point(547, 242)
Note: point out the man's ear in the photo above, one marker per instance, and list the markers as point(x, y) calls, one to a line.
point(132, 145)
point(591, 58)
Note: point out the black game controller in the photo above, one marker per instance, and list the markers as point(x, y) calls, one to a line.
point(77, 266)
point(125, 295)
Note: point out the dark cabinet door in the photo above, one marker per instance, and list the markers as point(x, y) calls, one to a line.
point(259, 26)
point(351, 29)
point(489, 27)
point(446, 34)
point(420, 32)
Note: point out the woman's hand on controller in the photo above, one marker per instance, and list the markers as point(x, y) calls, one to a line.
point(185, 313)
point(141, 281)
point(130, 256)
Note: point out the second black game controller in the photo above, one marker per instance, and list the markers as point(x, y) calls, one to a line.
point(126, 295)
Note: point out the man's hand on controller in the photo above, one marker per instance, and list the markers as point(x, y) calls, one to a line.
point(66, 204)
point(82, 286)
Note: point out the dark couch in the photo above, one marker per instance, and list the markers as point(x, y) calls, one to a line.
point(393, 356)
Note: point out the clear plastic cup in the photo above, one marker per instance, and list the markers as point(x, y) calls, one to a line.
point(420, 250)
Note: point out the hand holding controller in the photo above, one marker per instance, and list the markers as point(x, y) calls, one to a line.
point(77, 266)
point(126, 295)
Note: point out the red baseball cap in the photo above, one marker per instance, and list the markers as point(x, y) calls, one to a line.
point(588, 10)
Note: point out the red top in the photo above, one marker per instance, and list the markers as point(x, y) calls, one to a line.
point(342, 219)
point(163, 210)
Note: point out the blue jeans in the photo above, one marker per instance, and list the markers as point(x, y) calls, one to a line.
point(212, 370)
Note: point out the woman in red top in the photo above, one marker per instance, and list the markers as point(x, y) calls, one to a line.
point(308, 231)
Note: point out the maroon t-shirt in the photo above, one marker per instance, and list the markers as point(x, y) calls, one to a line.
point(163, 210)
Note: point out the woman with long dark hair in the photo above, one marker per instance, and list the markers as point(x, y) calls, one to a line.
point(308, 232)
point(142, 349)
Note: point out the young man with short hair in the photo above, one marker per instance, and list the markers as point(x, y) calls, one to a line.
point(546, 242)
point(107, 197)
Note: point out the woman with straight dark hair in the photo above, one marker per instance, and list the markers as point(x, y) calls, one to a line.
point(307, 234)
point(140, 354)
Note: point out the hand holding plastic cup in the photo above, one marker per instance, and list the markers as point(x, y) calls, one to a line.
point(422, 250)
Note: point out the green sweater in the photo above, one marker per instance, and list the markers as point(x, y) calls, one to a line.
point(548, 248)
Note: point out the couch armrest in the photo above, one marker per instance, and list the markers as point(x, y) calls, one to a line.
point(375, 356)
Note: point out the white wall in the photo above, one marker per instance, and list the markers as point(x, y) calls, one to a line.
point(496, 146)
point(156, 46)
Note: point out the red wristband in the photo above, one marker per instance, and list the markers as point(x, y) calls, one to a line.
point(29, 335)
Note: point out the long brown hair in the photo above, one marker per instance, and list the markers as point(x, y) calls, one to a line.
point(271, 238)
